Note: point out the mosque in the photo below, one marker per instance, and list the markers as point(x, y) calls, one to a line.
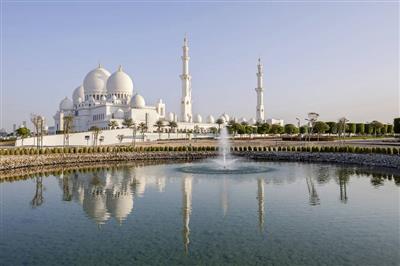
point(105, 97)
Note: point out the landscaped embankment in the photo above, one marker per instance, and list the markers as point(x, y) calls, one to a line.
point(11, 160)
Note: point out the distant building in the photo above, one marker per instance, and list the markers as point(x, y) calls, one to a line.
point(273, 121)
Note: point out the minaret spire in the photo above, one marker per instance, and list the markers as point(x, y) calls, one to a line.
point(260, 92)
point(186, 101)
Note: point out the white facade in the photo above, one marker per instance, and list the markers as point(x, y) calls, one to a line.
point(106, 97)
point(273, 121)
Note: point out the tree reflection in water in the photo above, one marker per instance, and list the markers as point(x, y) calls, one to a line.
point(38, 197)
point(312, 192)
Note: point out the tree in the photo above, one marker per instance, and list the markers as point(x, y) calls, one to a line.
point(390, 129)
point(232, 127)
point(360, 128)
point(396, 125)
point(333, 127)
point(219, 122)
point(303, 129)
point(68, 123)
point(263, 128)
point(320, 127)
point(143, 128)
point(341, 126)
point(128, 122)
point(290, 129)
point(369, 129)
point(384, 129)
point(213, 130)
point(376, 127)
point(23, 132)
point(38, 122)
point(351, 128)
point(173, 125)
point(159, 125)
point(96, 132)
point(276, 129)
point(113, 124)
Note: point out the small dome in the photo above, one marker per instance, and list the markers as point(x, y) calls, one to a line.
point(119, 83)
point(114, 98)
point(243, 120)
point(210, 119)
point(252, 121)
point(138, 101)
point(66, 104)
point(226, 117)
point(95, 81)
point(78, 93)
point(119, 114)
point(103, 98)
point(198, 119)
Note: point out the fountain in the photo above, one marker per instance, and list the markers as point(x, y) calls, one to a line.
point(224, 148)
point(225, 163)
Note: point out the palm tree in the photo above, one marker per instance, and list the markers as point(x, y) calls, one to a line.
point(172, 125)
point(159, 124)
point(113, 124)
point(128, 122)
point(68, 122)
point(143, 128)
point(96, 133)
point(219, 121)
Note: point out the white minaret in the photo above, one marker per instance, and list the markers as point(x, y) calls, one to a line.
point(260, 93)
point(186, 103)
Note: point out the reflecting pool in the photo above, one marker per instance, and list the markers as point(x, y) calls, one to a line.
point(292, 214)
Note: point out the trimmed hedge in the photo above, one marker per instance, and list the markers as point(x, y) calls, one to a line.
point(108, 149)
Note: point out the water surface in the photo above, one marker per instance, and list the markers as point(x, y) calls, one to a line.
point(293, 214)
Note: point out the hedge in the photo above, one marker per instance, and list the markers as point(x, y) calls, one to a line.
point(79, 150)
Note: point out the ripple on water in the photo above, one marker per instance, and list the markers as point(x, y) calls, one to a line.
point(215, 167)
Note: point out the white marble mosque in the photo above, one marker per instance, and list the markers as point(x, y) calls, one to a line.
point(105, 97)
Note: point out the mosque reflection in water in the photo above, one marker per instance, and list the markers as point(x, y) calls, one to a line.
point(110, 194)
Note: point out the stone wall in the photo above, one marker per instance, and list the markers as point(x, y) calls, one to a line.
point(377, 160)
point(8, 164)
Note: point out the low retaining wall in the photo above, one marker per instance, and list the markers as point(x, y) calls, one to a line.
point(11, 162)
point(374, 160)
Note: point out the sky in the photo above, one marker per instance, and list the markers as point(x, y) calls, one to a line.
point(334, 58)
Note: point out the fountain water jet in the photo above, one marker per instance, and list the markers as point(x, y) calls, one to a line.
point(225, 163)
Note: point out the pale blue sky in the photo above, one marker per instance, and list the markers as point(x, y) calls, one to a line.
point(337, 59)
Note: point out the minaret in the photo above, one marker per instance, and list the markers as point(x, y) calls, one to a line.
point(260, 93)
point(186, 102)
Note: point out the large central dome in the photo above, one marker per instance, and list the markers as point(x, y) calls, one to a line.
point(95, 81)
point(120, 85)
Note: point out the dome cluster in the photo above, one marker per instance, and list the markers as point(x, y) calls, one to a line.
point(100, 85)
